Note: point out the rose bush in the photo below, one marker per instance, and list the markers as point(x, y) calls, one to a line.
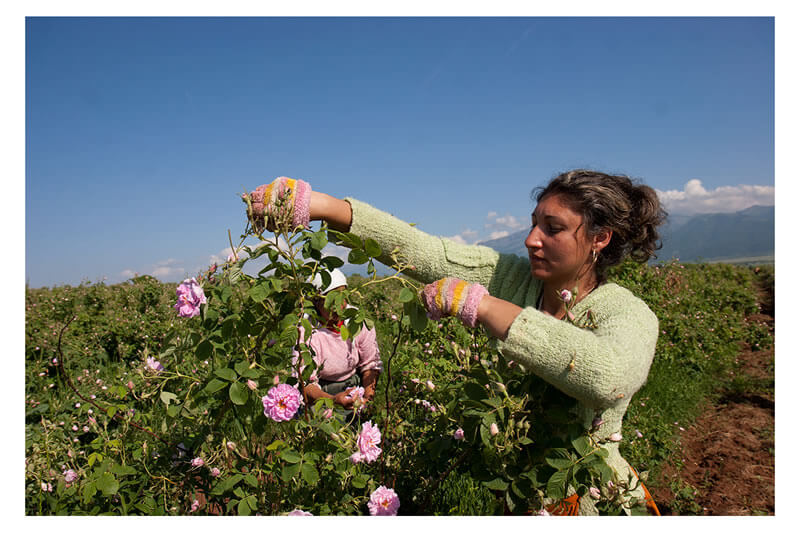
point(208, 418)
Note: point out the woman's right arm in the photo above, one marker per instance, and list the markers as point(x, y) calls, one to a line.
point(431, 257)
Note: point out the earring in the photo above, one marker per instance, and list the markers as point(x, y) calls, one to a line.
point(594, 256)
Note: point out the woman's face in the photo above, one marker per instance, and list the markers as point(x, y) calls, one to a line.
point(558, 247)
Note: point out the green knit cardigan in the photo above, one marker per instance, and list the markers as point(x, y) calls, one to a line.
point(611, 361)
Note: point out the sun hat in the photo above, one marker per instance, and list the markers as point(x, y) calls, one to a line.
point(338, 279)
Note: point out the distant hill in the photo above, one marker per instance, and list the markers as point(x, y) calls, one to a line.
point(707, 237)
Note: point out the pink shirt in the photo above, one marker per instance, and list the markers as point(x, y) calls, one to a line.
point(336, 359)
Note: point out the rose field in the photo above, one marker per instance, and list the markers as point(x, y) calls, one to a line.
point(150, 398)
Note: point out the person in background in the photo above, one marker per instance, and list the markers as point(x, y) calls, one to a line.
point(347, 370)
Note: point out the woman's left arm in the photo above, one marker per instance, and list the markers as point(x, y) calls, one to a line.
point(497, 315)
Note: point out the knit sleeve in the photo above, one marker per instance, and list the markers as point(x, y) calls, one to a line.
point(432, 257)
point(599, 367)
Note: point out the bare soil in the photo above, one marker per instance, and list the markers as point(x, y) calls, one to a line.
point(727, 459)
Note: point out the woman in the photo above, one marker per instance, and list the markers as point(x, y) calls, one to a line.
point(584, 222)
point(342, 366)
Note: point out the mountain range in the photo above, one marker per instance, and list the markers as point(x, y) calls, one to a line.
point(749, 233)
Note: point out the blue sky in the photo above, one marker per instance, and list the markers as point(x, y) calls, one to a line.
point(142, 132)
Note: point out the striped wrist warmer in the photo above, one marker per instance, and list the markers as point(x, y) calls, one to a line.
point(265, 200)
point(454, 297)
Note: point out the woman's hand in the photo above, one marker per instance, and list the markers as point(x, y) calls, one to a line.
point(344, 400)
point(454, 297)
point(284, 202)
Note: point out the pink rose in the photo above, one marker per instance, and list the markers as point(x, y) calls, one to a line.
point(70, 476)
point(493, 429)
point(594, 492)
point(282, 402)
point(215, 472)
point(615, 437)
point(195, 506)
point(190, 297)
point(298, 512)
point(154, 365)
point(383, 502)
point(566, 295)
point(252, 385)
point(459, 434)
point(197, 462)
point(368, 441)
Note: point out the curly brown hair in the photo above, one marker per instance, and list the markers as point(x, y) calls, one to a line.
point(630, 209)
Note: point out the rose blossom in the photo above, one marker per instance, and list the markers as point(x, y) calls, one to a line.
point(383, 502)
point(594, 492)
point(282, 402)
point(357, 395)
point(215, 472)
point(493, 429)
point(190, 297)
point(154, 365)
point(615, 437)
point(566, 295)
point(197, 462)
point(70, 476)
point(459, 434)
point(368, 441)
point(195, 506)
point(252, 385)
point(298, 512)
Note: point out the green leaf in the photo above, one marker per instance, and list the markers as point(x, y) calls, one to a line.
point(557, 485)
point(108, 484)
point(290, 456)
point(330, 262)
point(318, 240)
point(309, 473)
point(89, 490)
point(251, 480)
point(406, 295)
point(227, 484)
point(167, 397)
point(558, 463)
point(238, 393)
point(416, 312)
point(243, 509)
point(260, 291)
point(242, 366)
point(475, 391)
point(226, 373)
point(357, 257)
point(204, 350)
point(274, 445)
point(214, 385)
point(496, 484)
point(173, 410)
point(583, 445)
point(289, 471)
point(360, 481)
point(372, 247)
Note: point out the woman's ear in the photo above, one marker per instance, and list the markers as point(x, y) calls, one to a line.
point(601, 240)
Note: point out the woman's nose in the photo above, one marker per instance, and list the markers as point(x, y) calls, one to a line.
point(534, 239)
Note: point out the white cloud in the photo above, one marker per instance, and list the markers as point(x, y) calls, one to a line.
point(127, 274)
point(167, 271)
point(468, 236)
point(694, 198)
point(498, 234)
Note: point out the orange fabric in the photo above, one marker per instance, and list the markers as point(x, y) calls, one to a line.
point(566, 507)
point(569, 506)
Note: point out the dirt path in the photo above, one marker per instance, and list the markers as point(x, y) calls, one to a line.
point(728, 454)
